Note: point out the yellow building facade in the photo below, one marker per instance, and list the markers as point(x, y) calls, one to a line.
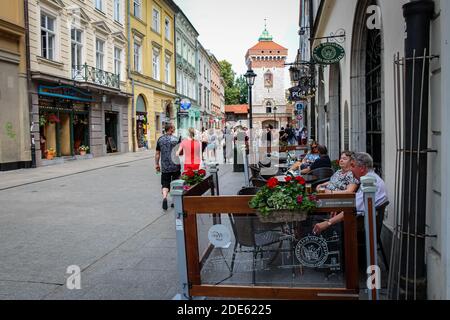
point(151, 60)
point(15, 144)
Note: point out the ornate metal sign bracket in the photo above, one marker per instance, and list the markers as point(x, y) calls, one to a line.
point(338, 37)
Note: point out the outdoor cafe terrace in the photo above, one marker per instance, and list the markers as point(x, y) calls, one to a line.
point(227, 250)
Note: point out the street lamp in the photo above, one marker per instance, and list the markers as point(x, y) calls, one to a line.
point(275, 117)
point(250, 79)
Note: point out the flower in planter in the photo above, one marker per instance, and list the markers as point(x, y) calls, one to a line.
point(192, 177)
point(53, 118)
point(289, 196)
point(83, 148)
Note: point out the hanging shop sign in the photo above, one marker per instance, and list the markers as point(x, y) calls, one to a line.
point(296, 94)
point(185, 105)
point(328, 53)
point(65, 92)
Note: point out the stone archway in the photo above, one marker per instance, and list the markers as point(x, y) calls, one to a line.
point(367, 92)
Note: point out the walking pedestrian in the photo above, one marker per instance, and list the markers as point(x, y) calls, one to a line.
point(191, 149)
point(204, 138)
point(212, 144)
point(166, 162)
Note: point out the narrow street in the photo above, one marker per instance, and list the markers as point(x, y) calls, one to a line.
point(106, 221)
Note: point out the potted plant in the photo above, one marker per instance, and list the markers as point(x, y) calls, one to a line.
point(283, 202)
point(53, 118)
point(50, 153)
point(192, 178)
point(42, 121)
point(83, 149)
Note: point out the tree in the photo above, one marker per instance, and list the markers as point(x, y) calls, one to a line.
point(236, 90)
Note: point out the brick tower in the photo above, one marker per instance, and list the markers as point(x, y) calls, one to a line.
point(267, 59)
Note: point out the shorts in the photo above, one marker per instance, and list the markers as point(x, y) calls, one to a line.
point(168, 177)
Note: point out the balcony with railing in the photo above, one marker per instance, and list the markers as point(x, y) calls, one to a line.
point(86, 73)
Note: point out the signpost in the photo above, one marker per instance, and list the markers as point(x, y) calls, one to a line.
point(328, 53)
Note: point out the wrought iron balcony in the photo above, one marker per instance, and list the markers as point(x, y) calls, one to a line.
point(97, 76)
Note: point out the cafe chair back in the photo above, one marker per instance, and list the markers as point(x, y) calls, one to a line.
point(253, 236)
point(323, 175)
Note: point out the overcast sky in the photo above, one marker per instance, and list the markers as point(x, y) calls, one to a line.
point(229, 28)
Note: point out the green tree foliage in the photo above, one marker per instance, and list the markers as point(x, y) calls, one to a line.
point(236, 91)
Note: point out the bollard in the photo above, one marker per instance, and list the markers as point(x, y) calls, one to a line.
point(369, 188)
point(213, 169)
point(177, 196)
point(246, 168)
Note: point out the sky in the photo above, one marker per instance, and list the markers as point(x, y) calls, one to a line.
point(228, 28)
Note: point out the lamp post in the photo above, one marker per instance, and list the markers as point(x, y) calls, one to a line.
point(275, 117)
point(250, 79)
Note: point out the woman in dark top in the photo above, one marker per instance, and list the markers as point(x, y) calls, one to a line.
point(323, 162)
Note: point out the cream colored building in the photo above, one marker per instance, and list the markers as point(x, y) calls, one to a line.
point(78, 68)
point(355, 109)
point(15, 144)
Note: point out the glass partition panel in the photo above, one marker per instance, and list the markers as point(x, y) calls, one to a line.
point(239, 250)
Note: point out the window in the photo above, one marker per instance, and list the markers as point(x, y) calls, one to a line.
point(199, 67)
point(156, 64)
point(137, 8)
point(167, 69)
point(137, 56)
point(77, 49)
point(189, 56)
point(200, 94)
point(179, 82)
point(167, 29)
point(184, 51)
point(117, 61)
point(99, 5)
point(179, 46)
point(100, 53)
point(117, 15)
point(155, 21)
point(47, 37)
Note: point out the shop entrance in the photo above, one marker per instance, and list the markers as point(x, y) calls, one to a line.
point(111, 124)
point(141, 129)
point(64, 128)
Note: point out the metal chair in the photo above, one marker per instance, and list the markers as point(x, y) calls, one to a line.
point(323, 175)
point(258, 237)
point(258, 182)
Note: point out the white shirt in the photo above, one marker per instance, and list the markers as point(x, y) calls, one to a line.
point(380, 195)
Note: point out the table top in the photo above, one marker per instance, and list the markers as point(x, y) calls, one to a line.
point(282, 166)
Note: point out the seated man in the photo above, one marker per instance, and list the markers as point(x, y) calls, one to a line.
point(322, 162)
point(362, 165)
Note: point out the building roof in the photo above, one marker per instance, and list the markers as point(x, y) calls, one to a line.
point(267, 45)
point(237, 109)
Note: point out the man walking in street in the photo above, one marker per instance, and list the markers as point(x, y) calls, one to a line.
point(165, 161)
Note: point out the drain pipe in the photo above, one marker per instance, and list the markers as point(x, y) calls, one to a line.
point(413, 281)
point(133, 112)
point(29, 83)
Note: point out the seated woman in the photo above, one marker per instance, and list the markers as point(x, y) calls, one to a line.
point(309, 159)
point(322, 162)
point(343, 180)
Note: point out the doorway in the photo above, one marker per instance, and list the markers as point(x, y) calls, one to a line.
point(111, 125)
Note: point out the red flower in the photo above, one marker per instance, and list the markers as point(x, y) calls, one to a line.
point(288, 179)
point(312, 198)
point(189, 174)
point(272, 183)
point(300, 180)
point(202, 172)
point(299, 199)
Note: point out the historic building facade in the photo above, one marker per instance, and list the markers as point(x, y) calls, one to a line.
point(78, 71)
point(267, 59)
point(217, 119)
point(15, 142)
point(189, 114)
point(357, 107)
point(204, 85)
point(151, 70)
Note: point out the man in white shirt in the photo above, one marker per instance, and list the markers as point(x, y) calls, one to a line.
point(362, 165)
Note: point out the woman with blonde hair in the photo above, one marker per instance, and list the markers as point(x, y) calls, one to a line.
point(192, 150)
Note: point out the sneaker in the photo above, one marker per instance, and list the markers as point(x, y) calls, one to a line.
point(164, 204)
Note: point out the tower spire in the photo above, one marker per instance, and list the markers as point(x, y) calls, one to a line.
point(265, 36)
